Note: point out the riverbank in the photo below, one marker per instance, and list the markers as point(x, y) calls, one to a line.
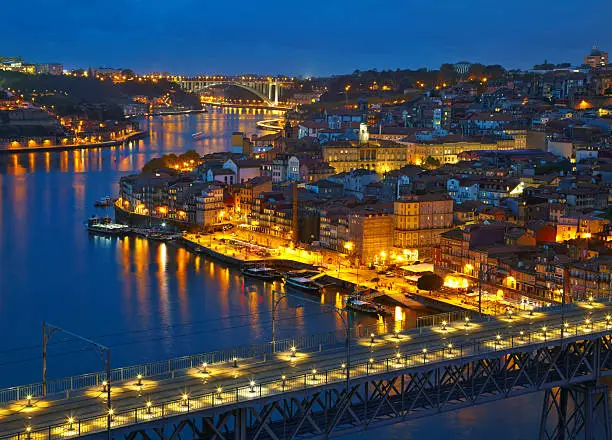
point(115, 142)
point(391, 292)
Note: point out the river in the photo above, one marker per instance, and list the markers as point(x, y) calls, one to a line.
point(147, 300)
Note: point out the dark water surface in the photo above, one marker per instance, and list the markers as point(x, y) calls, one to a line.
point(148, 300)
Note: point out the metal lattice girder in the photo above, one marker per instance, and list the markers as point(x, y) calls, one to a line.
point(395, 396)
point(576, 412)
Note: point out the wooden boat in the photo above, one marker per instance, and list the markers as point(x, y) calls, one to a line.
point(262, 272)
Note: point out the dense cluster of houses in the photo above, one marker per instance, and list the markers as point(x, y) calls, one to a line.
point(503, 185)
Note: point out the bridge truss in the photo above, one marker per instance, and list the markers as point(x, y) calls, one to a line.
point(575, 404)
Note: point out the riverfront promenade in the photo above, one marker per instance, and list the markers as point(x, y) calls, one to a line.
point(140, 399)
point(43, 148)
point(394, 287)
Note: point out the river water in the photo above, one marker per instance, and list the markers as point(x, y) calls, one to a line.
point(146, 300)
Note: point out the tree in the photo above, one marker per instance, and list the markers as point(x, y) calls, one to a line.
point(431, 162)
point(430, 282)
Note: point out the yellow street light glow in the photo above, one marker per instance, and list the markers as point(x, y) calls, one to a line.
point(149, 404)
point(424, 350)
point(111, 411)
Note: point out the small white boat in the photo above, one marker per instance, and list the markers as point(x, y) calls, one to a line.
point(262, 273)
point(198, 135)
point(106, 226)
point(304, 284)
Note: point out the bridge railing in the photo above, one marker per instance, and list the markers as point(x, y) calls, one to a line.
point(448, 317)
point(169, 367)
point(230, 398)
point(180, 365)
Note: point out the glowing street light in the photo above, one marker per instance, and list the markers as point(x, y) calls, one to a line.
point(444, 323)
point(71, 424)
point(139, 377)
point(371, 338)
point(314, 374)
point(283, 381)
point(398, 357)
point(293, 350)
point(498, 339)
point(235, 362)
point(424, 355)
point(185, 399)
point(252, 386)
point(204, 369)
point(29, 400)
point(149, 406)
point(450, 348)
point(104, 386)
point(467, 322)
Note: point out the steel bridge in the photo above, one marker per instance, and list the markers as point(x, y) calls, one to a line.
point(267, 89)
point(314, 390)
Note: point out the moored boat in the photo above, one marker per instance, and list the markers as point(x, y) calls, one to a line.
point(364, 306)
point(106, 226)
point(262, 273)
point(304, 284)
point(198, 135)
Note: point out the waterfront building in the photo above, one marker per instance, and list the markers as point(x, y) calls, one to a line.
point(141, 193)
point(419, 221)
point(249, 191)
point(371, 232)
point(210, 209)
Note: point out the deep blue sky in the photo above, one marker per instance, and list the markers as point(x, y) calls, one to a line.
point(312, 37)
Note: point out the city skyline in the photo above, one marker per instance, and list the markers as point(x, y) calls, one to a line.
point(233, 40)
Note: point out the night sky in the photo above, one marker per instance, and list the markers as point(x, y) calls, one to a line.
point(303, 37)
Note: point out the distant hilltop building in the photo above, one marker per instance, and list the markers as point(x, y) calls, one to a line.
point(596, 58)
point(462, 67)
point(50, 68)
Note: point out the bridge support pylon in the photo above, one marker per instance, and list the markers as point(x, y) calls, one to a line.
point(240, 424)
point(578, 412)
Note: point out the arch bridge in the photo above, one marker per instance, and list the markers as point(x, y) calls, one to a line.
point(267, 89)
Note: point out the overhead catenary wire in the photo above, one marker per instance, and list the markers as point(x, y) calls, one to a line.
point(157, 338)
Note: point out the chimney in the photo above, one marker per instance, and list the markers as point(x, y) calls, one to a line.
point(295, 213)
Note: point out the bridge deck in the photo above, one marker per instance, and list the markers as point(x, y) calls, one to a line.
point(198, 390)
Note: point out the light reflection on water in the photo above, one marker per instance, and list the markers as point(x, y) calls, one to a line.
point(149, 300)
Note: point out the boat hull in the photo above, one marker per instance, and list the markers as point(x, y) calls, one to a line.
point(301, 287)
